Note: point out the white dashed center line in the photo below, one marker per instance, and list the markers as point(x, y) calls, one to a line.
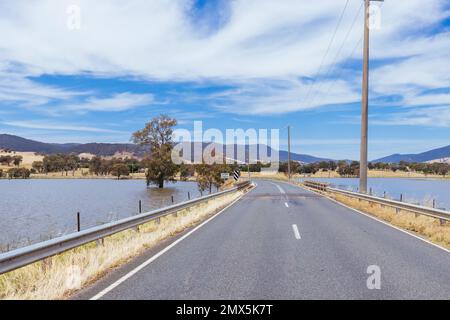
point(296, 232)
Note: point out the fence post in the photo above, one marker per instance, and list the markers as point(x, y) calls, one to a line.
point(78, 222)
point(189, 196)
point(401, 197)
point(172, 199)
point(434, 203)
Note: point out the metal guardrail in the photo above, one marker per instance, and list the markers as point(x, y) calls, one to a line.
point(316, 185)
point(23, 256)
point(414, 208)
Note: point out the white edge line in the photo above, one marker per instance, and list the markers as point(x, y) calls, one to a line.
point(160, 253)
point(381, 221)
point(296, 232)
point(286, 204)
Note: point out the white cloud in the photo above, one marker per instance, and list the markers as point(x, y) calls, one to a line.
point(41, 125)
point(260, 40)
point(430, 117)
point(283, 96)
point(117, 102)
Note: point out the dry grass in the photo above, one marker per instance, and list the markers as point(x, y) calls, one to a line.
point(27, 161)
point(272, 176)
point(427, 227)
point(401, 174)
point(60, 276)
point(82, 173)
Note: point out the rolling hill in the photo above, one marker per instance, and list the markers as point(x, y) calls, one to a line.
point(17, 143)
point(431, 155)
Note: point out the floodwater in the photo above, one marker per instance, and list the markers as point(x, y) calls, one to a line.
point(37, 210)
point(422, 191)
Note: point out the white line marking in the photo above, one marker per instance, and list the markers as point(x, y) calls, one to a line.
point(279, 188)
point(286, 204)
point(383, 222)
point(296, 232)
point(160, 253)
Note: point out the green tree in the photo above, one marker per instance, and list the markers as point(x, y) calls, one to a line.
point(38, 166)
point(157, 135)
point(6, 160)
point(120, 169)
point(19, 173)
point(95, 165)
point(17, 160)
point(186, 171)
point(208, 176)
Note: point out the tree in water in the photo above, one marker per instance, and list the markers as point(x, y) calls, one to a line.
point(157, 135)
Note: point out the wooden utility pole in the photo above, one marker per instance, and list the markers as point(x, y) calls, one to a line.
point(289, 153)
point(365, 102)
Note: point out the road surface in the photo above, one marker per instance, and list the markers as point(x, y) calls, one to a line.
point(283, 242)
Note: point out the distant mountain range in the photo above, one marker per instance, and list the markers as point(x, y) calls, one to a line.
point(20, 144)
point(17, 143)
point(432, 155)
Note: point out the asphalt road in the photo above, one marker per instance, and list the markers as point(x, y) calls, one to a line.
point(283, 242)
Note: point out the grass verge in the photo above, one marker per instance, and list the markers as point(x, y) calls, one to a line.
point(427, 227)
point(60, 276)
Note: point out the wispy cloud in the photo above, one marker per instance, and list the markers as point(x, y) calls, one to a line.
point(430, 117)
point(118, 102)
point(56, 127)
point(256, 40)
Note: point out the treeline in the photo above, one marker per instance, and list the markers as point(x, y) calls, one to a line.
point(70, 163)
point(436, 168)
point(15, 173)
point(8, 160)
point(351, 169)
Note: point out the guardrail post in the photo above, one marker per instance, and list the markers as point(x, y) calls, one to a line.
point(401, 197)
point(140, 211)
point(384, 195)
point(100, 242)
point(172, 199)
point(189, 195)
point(78, 222)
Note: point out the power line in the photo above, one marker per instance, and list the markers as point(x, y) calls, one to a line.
point(327, 51)
point(338, 76)
point(333, 64)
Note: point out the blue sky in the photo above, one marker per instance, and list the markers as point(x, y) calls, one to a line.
point(232, 64)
